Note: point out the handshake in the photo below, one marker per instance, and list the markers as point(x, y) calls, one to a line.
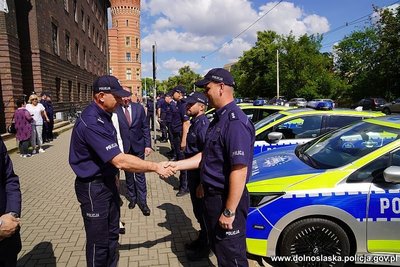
point(167, 168)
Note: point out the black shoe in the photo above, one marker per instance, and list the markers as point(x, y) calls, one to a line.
point(176, 188)
point(194, 245)
point(131, 205)
point(199, 254)
point(145, 209)
point(181, 193)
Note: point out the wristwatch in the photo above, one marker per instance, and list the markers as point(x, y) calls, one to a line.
point(228, 213)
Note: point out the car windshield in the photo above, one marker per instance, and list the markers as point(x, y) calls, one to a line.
point(267, 120)
point(346, 145)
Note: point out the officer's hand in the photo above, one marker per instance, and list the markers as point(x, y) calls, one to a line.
point(165, 170)
point(200, 191)
point(9, 226)
point(226, 222)
point(147, 151)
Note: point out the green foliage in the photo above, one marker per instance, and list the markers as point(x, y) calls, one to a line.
point(186, 77)
point(303, 70)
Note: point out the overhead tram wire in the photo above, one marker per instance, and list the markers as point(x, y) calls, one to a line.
point(353, 22)
point(251, 25)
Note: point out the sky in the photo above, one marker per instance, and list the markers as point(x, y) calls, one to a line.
point(204, 34)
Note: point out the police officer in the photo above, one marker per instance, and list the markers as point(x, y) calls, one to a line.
point(196, 105)
point(225, 166)
point(95, 158)
point(10, 208)
point(179, 128)
point(161, 112)
point(150, 112)
point(169, 105)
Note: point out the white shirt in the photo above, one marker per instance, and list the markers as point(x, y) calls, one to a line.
point(36, 112)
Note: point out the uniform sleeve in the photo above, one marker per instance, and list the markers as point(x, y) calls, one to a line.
point(145, 128)
point(103, 142)
point(11, 182)
point(182, 112)
point(201, 135)
point(239, 143)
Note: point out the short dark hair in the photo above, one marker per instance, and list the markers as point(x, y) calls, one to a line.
point(20, 102)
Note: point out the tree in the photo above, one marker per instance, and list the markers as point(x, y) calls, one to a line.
point(304, 71)
point(185, 77)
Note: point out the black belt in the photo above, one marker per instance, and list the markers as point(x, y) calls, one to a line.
point(95, 180)
point(213, 191)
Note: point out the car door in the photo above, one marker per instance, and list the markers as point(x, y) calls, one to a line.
point(383, 219)
point(396, 106)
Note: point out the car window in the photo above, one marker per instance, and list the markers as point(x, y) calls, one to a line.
point(250, 113)
point(373, 171)
point(347, 144)
point(273, 117)
point(335, 122)
point(304, 127)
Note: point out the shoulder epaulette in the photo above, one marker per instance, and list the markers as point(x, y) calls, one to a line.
point(233, 116)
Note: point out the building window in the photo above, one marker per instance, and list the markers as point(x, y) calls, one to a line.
point(78, 59)
point(127, 23)
point(137, 42)
point(128, 41)
point(69, 96)
point(84, 59)
point(128, 56)
point(88, 26)
point(67, 47)
point(138, 74)
point(128, 74)
point(137, 57)
point(66, 5)
point(54, 37)
point(86, 92)
point(79, 91)
point(58, 89)
point(83, 20)
point(75, 11)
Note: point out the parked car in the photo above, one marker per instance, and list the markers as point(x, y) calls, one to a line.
point(393, 107)
point(279, 101)
point(297, 102)
point(298, 126)
point(255, 113)
point(371, 103)
point(322, 203)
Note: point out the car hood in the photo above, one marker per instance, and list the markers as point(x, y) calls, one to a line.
point(280, 163)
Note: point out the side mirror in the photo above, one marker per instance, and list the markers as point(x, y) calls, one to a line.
point(392, 174)
point(274, 137)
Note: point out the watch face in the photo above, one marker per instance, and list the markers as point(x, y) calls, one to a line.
point(227, 213)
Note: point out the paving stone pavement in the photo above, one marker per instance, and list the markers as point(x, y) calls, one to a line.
point(52, 227)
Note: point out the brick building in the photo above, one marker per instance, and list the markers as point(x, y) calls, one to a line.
point(124, 44)
point(55, 46)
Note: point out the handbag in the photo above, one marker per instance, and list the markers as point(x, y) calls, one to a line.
point(11, 128)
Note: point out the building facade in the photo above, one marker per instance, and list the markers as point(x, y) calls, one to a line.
point(56, 46)
point(124, 45)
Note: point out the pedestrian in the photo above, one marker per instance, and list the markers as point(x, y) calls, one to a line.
point(150, 112)
point(95, 158)
point(169, 106)
point(160, 105)
point(48, 126)
point(38, 113)
point(196, 105)
point(10, 209)
point(23, 120)
point(225, 166)
point(179, 129)
point(135, 135)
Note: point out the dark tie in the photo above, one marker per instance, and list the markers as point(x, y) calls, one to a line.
point(128, 116)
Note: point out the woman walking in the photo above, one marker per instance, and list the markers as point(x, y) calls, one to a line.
point(23, 119)
point(38, 112)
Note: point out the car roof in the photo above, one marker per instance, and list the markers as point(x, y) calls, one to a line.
point(270, 107)
point(337, 111)
point(390, 121)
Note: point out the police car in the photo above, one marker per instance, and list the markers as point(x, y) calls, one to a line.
point(254, 112)
point(297, 126)
point(333, 200)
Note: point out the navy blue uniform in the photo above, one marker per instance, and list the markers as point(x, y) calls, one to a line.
point(150, 113)
point(178, 117)
point(135, 138)
point(168, 120)
point(10, 201)
point(229, 141)
point(195, 141)
point(93, 146)
point(163, 126)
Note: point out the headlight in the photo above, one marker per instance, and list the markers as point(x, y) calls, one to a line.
point(259, 199)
